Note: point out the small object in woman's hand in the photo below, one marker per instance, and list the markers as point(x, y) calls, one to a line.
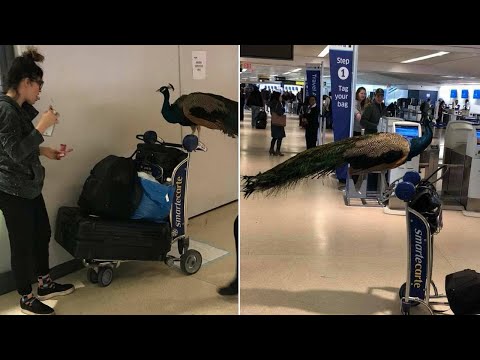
point(54, 111)
point(63, 150)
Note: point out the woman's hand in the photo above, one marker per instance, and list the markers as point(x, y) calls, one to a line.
point(53, 154)
point(49, 118)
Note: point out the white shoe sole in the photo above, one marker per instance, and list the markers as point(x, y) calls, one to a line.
point(27, 312)
point(52, 295)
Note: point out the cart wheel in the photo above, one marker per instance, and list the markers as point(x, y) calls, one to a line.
point(105, 276)
point(401, 294)
point(190, 262)
point(92, 275)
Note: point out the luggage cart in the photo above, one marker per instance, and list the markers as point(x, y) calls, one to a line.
point(101, 270)
point(423, 219)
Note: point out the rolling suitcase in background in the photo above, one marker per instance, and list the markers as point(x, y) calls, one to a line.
point(261, 122)
point(89, 237)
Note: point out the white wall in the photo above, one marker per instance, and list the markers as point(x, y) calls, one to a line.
point(444, 93)
point(106, 95)
point(214, 178)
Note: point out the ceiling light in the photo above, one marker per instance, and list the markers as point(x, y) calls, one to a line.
point(243, 70)
point(440, 53)
point(324, 51)
point(289, 72)
point(296, 70)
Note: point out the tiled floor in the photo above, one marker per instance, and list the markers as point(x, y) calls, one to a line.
point(307, 253)
point(152, 287)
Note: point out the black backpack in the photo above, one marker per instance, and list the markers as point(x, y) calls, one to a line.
point(463, 292)
point(112, 190)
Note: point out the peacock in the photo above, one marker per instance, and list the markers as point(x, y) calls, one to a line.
point(201, 109)
point(367, 153)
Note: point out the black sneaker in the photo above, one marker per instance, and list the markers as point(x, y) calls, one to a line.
point(231, 289)
point(54, 290)
point(35, 307)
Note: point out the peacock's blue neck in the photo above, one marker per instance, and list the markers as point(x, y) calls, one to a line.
point(166, 108)
point(418, 145)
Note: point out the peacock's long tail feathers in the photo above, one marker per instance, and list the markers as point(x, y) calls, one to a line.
point(312, 163)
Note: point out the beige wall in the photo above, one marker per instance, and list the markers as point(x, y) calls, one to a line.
point(106, 95)
point(214, 173)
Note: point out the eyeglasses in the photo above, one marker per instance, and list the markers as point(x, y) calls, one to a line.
point(39, 82)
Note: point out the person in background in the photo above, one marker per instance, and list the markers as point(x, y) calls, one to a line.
point(21, 182)
point(327, 110)
point(425, 107)
point(255, 102)
point(456, 105)
point(369, 121)
point(299, 101)
point(373, 112)
point(232, 288)
point(310, 121)
point(278, 132)
point(360, 103)
point(265, 95)
point(242, 102)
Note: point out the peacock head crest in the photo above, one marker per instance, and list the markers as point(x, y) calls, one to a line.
point(164, 89)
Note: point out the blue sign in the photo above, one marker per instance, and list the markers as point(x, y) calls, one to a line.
point(341, 64)
point(419, 235)
point(476, 94)
point(312, 85)
point(178, 207)
point(453, 94)
point(464, 94)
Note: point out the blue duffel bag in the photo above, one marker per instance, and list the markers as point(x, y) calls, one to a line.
point(156, 201)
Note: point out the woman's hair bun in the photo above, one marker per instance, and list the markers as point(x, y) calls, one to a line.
point(31, 52)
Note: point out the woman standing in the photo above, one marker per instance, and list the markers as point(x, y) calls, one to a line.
point(278, 132)
point(21, 182)
point(361, 103)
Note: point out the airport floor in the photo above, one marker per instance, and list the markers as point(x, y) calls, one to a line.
point(305, 252)
point(151, 288)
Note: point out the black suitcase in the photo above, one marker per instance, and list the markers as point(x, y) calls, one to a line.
point(261, 122)
point(463, 292)
point(88, 237)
